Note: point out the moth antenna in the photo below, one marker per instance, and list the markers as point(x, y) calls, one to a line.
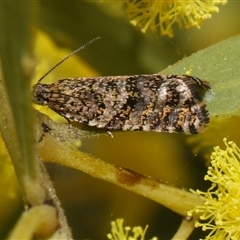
point(68, 56)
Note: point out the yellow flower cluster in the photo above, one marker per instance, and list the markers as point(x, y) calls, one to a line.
point(221, 212)
point(123, 233)
point(160, 16)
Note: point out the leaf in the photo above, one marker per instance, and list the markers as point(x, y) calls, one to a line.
point(219, 65)
point(17, 68)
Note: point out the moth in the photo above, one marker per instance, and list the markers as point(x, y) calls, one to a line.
point(154, 102)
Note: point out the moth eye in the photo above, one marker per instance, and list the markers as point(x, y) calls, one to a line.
point(39, 99)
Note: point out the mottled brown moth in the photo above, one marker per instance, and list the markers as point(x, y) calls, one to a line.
point(155, 102)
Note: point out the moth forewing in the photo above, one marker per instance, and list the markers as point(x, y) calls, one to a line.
point(155, 102)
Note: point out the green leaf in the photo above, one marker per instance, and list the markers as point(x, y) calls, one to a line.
point(16, 123)
point(219, 65)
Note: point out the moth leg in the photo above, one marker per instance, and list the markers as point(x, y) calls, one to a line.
point(68, 120)
point(110, 134)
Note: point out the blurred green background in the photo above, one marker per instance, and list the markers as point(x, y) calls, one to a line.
point(91, 204)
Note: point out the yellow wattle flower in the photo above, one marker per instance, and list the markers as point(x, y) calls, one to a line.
point(221, 212)
point(160, 16)
point(118, 232)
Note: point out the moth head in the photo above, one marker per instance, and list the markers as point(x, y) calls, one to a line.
point(41, 94)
